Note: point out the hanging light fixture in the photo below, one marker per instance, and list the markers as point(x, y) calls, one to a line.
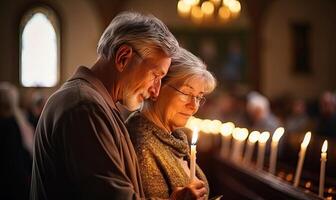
point(199, 11)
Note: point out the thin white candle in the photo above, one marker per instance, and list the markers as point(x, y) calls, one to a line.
point(274, 148)
point(193, 154)
point(235, 135)
point(226, 131)
point(252, 139)
point(239, 135)
point(264, 136)
point(302, 154)
point(323, 165)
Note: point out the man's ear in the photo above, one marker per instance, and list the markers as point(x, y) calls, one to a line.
point(123, 57)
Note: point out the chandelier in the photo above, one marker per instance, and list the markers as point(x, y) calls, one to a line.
point(200, 11)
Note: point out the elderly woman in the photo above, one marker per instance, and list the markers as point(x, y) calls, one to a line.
point(161, 147)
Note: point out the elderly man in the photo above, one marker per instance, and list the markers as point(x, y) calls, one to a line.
point(82, 148)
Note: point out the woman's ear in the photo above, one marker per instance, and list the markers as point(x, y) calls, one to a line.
point(123, 57)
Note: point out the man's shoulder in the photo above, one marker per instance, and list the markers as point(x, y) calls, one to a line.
point(76, 92)
point(72, 96)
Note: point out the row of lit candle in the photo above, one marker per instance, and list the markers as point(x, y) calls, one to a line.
point(240, 135)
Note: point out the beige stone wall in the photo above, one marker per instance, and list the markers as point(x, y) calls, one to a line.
point(277, 76)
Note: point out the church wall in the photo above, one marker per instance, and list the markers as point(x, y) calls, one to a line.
point(82, 25)
point(277, 75)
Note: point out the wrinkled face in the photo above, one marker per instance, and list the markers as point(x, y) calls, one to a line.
point(172, 106)
point(144, 78)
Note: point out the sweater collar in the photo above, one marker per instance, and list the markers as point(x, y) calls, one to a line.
point(177, 141)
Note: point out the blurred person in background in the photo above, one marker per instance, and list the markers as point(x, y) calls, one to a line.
point(260, 116)
point(298, 121)
point(326, 122)
point(37, 103)
point(16, 141)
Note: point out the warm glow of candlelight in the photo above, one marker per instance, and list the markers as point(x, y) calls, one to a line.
point(243, 134)
point(324, 146)
point(191, 2)
point(264, 136)
point(183, 8)
point(235, 6)
point(196, 122)
point(254, 136)
point(193, 122)
point(205, 126)
point(189, 123)
point(306, 140)
point(278, 133)
point(194, 136)
point(240, 134)
point(227, 128)
point(215, 126)
point(235, 133)
point(196, 13)
point(208, 8)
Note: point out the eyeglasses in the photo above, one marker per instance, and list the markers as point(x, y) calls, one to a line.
point(188, 97)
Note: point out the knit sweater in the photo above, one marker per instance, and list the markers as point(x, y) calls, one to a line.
point(159, 155)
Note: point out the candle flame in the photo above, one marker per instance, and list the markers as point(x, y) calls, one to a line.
point(193, 122)
point(227, 128)
point(216, 124)
point(324, 146)
point(194, 136)
point(278, 134)
point(205, 126)
point(240, 134)
point(306, 139)
point(264, 137)
point(235, 133)
point(254, 136)
point(243, 134)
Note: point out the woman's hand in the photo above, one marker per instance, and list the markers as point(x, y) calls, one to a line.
point(195, 190)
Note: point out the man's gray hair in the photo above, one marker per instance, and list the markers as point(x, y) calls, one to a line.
point(146, 33)
point(186, 66)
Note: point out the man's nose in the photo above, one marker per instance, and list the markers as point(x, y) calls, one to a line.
point(154, 90)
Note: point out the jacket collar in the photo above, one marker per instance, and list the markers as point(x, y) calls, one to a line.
point(86, 74)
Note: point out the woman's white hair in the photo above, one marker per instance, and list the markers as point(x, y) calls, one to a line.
point(186, 66)
point(146, 33)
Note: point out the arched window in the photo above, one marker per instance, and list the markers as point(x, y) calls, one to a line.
point(39, 48)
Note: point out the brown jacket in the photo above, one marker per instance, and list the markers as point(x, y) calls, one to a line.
point(82, 148)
